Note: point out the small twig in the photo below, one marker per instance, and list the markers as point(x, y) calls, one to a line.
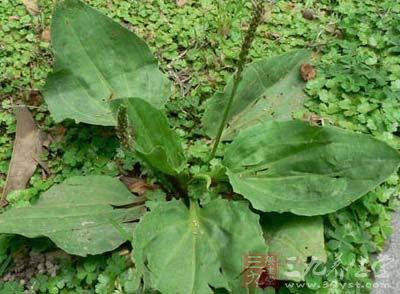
point(180, 82)
point(25, 106)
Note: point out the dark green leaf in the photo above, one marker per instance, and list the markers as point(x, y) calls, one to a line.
point(97, 59)
point(153, 138)
point(293, 166)
point(77, 215)
point(296, 241)
point(199, 247)
point(271, 88)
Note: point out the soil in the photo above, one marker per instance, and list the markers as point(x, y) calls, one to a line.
point(24, 267)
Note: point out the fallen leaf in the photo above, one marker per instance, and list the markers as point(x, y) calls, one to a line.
point(137, 186)
point(26, 152)
point(45, 36)
point(128, 25)
point(339, 34)
point(3, 202)
point(31, 6)
point(289, 6)
point(331, 28)
point(57, 134)
point(308, 14)
point(307, 72)
point(313, 119)
point(180, 3)
point(124, 252)
point(34, 98)
point(272, 35)
point(140, 188)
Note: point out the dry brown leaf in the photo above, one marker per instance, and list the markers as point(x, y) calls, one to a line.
point(34, 98)
point(56, 134)
point(331, 28)
point(313, 119)
point(128, 25)
point(3, 202)
point(26, 152)
point(137, 186)
point(307, 72)
point(272, 35)
point(180, 3)
point(308, 14)
point(45, 36)
point(31, 6)
point(140, 188)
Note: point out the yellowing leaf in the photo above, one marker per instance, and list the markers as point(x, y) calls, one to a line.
point(31, 6)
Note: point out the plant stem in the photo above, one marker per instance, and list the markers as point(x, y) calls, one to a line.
point(258, 11)
point(237, 79)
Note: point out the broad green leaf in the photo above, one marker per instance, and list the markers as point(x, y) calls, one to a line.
point(77, 215)
point(293, 166)
point(296, 241)
point(183, 250)
point(271, 88)
point(96, 60)
point(154, 140)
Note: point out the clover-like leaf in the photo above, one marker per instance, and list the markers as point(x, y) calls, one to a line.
point(153, 139)
point(308, 170)
point(79, 215)
point(297, 242)
point(201, 247)
point(96, 60)
point(270, 88)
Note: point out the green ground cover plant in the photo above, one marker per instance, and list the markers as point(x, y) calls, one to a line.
point(141, 122)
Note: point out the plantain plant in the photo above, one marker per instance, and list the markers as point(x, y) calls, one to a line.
point(285, 172)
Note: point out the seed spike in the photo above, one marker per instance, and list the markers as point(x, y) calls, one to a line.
point(258, 12)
